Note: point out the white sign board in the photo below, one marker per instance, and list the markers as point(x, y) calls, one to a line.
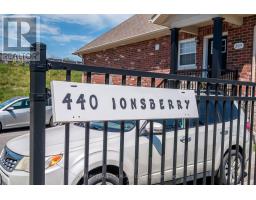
point(73, 102)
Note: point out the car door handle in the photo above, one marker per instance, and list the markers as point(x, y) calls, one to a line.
point(183, 139)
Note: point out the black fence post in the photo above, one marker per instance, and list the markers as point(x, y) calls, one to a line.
point(217, 47)
point(38, 70)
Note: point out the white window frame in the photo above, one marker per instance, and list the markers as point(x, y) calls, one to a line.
point(181, 67)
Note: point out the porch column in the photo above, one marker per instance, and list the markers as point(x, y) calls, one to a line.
point(174, 50)
point(217, 47)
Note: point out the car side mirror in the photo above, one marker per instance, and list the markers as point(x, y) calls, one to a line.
point(10, 108)
point(157, 129)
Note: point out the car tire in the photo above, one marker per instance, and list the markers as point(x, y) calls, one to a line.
point(224, 180)
point(96, 179)
point(1, 128)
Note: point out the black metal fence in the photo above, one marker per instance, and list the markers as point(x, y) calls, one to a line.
point(216, 148)
point(225, 74)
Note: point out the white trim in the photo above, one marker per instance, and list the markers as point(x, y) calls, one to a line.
point(205, 49)
point(254, 55)
point(181, 67)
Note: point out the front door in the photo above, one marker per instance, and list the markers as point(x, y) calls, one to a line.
point(224, 53)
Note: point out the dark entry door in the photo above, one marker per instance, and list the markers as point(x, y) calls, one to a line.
point(224, 52)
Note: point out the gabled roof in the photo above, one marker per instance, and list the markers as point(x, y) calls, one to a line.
point(136, 28)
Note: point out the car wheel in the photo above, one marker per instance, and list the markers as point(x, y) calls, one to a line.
point(52, 124)
point(225, 169)
point(0, 127)
point(96, 179)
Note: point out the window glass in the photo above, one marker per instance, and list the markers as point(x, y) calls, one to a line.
point(113, 126)
point(17, 105)
point(187, 47)
point(227, 110)
point(187, 53)
point(187, 59)
point(203, 115)
point(26, 103)
point(21, 104)
point(170, 124)
point(7, 102)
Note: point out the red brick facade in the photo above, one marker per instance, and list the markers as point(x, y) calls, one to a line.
point(143, 56)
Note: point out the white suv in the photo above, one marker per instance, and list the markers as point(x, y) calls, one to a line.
point(14, 162)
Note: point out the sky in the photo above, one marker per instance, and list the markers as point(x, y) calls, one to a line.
point(64, 34)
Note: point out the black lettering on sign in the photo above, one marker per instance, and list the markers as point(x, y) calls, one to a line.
point(161, 101)
point(114, 103)
point(170, 104)
point(93, 102)
point(123, 103)
point(81, 100)
point(179, 104)
point(152, 104)
point(187, 103)
point(67, 99)
point(143, 103)
point(133, 104)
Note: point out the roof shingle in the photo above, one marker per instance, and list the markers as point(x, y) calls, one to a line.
point(134, 27)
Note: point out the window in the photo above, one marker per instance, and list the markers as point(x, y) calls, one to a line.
point(187, 54)
point(113, 126)
point(211, 112)
point(21, 104)
point(210, 117)
point(17, 105)
point(227, 109)
point(170, 124)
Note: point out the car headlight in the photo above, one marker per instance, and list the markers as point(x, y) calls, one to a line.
point(23, 164)
point(50, 161)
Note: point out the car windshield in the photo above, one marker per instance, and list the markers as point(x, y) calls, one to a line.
point(113, 126)
point(9, 101)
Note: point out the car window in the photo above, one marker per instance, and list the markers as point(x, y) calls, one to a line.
point(170, 124)
point(113, 126)
point(26, 103)
point(21, 104)
point(203, 115)
point(7, 102)
point(227, 110)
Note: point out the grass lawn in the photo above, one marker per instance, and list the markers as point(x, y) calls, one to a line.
point(14, 80)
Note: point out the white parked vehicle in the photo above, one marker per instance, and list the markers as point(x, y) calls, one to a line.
point(14, 162)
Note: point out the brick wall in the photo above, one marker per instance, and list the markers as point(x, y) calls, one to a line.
point(241, 59)
point(139, 56)
point(143, 56)
point(236, 59)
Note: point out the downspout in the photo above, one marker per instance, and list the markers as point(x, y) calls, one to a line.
point(253, 55)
